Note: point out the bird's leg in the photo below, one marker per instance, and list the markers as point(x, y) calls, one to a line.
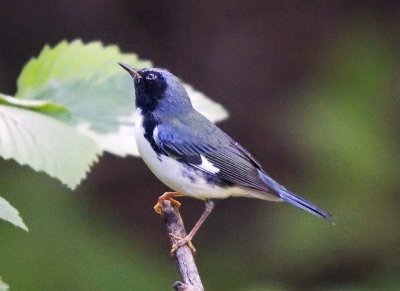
point(167, 196)
point(181, 241)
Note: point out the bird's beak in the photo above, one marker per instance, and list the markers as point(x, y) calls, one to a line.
point(133, 72)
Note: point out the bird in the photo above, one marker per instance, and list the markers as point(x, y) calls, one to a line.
point(193, 156)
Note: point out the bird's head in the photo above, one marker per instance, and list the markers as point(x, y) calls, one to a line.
point(158, 90)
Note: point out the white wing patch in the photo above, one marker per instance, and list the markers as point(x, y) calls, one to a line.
point(207, 166)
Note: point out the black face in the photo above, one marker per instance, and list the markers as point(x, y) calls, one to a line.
point(149, 89)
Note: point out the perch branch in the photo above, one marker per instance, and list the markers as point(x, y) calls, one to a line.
point(190, 278)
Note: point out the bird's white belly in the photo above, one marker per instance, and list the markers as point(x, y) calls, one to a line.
point(175, 175)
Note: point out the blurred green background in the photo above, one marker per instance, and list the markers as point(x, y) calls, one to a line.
point(313, 92)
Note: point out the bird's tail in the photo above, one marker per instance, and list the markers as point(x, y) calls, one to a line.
point(305, 205)
point(294, 199)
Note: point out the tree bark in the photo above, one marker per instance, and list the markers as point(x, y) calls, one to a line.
point(190, 278)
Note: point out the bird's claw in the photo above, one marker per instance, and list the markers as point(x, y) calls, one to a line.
point(158, 206)
point(181, 241)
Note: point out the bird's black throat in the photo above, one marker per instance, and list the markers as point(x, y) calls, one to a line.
point(149, 93)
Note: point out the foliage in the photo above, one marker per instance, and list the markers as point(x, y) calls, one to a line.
point(46, 144)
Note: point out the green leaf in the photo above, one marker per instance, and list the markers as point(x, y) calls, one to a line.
point(3, 286)
point(10, 214)
point(99, 95)
point(45, 144)
point(36, 105)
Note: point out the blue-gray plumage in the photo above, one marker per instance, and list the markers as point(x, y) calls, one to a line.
point(192, 155)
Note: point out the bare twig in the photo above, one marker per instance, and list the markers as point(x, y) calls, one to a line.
point(190, 278)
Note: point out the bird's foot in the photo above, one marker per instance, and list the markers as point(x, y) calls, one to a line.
point(181, 241)
point(166, 196)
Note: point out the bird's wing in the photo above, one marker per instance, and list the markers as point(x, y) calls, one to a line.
point(213, 152)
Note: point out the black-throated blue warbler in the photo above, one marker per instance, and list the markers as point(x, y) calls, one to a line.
point(191, 155)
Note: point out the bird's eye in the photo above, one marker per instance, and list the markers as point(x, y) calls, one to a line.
point(151, 76)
